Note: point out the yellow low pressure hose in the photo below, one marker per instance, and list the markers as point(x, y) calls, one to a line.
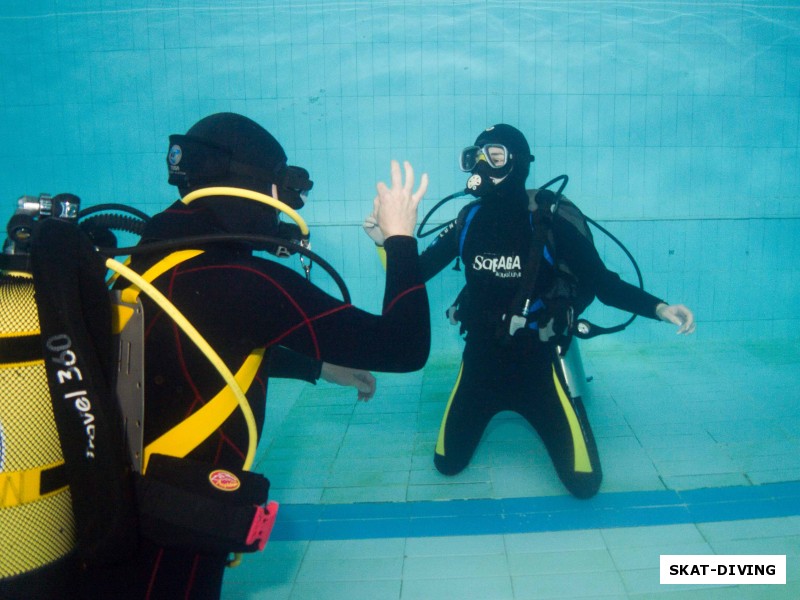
point(250, 195)
point(204, 347)
point(190, 330)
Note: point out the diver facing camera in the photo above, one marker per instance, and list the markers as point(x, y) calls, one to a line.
point(529, 273)
point(498, 160)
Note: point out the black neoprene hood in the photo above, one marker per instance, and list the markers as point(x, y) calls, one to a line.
point(225, 149)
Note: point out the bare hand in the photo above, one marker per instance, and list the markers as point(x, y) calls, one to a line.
point(370, 225)
point(679, 315)
point(363, 381)
point(396, 207)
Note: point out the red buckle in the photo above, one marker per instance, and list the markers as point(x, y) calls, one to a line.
point(263, 521)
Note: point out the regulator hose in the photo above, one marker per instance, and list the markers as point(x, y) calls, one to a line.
point(582, 327)
point(118, 222)
point(194, 241)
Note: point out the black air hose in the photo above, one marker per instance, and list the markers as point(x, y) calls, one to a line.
point(133, 225)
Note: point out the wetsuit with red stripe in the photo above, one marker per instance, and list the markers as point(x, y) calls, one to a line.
point(239, 303)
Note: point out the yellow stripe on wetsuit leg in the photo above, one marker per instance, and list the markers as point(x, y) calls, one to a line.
point(582, 462)
point(440, 441)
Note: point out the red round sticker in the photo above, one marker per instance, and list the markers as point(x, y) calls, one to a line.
point(224, 480)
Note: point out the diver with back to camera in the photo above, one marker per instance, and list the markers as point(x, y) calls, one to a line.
point(207, 301)
point(529, 274)
point(246, 305)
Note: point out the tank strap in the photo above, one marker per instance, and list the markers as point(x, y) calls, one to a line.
point(20, 347)
point(31, 485)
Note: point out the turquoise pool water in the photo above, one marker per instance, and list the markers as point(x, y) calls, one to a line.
point(678, 124)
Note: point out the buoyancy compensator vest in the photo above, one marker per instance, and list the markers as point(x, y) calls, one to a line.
point(565, 297)
point(183, 502)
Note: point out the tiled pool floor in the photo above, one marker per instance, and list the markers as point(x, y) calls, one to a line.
point(700, 445)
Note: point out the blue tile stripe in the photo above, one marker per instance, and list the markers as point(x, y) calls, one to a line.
point(529, 515)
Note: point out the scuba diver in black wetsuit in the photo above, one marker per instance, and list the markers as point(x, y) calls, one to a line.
point(529, 274)
point(125, 473)
point(245, 307)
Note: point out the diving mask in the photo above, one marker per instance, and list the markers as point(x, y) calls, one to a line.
point(293, 185)
point(494, 155)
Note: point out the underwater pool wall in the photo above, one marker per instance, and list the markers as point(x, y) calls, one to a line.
point(677, 122)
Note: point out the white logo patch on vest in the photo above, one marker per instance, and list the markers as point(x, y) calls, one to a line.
point(504, 267)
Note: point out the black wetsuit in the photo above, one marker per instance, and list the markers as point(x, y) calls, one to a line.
point(239, 303)
point(520, 373)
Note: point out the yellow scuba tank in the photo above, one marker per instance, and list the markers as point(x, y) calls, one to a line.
point(37, 527)
point(65, 496)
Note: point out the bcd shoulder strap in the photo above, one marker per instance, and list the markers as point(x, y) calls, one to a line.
point(187, 435)
point(182, 502)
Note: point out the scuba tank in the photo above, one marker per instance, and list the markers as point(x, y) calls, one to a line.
point(38, 528)
point(571, 365)
point(65, 502)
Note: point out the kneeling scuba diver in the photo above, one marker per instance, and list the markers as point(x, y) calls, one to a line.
point(180, 531)
point(531, 268)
